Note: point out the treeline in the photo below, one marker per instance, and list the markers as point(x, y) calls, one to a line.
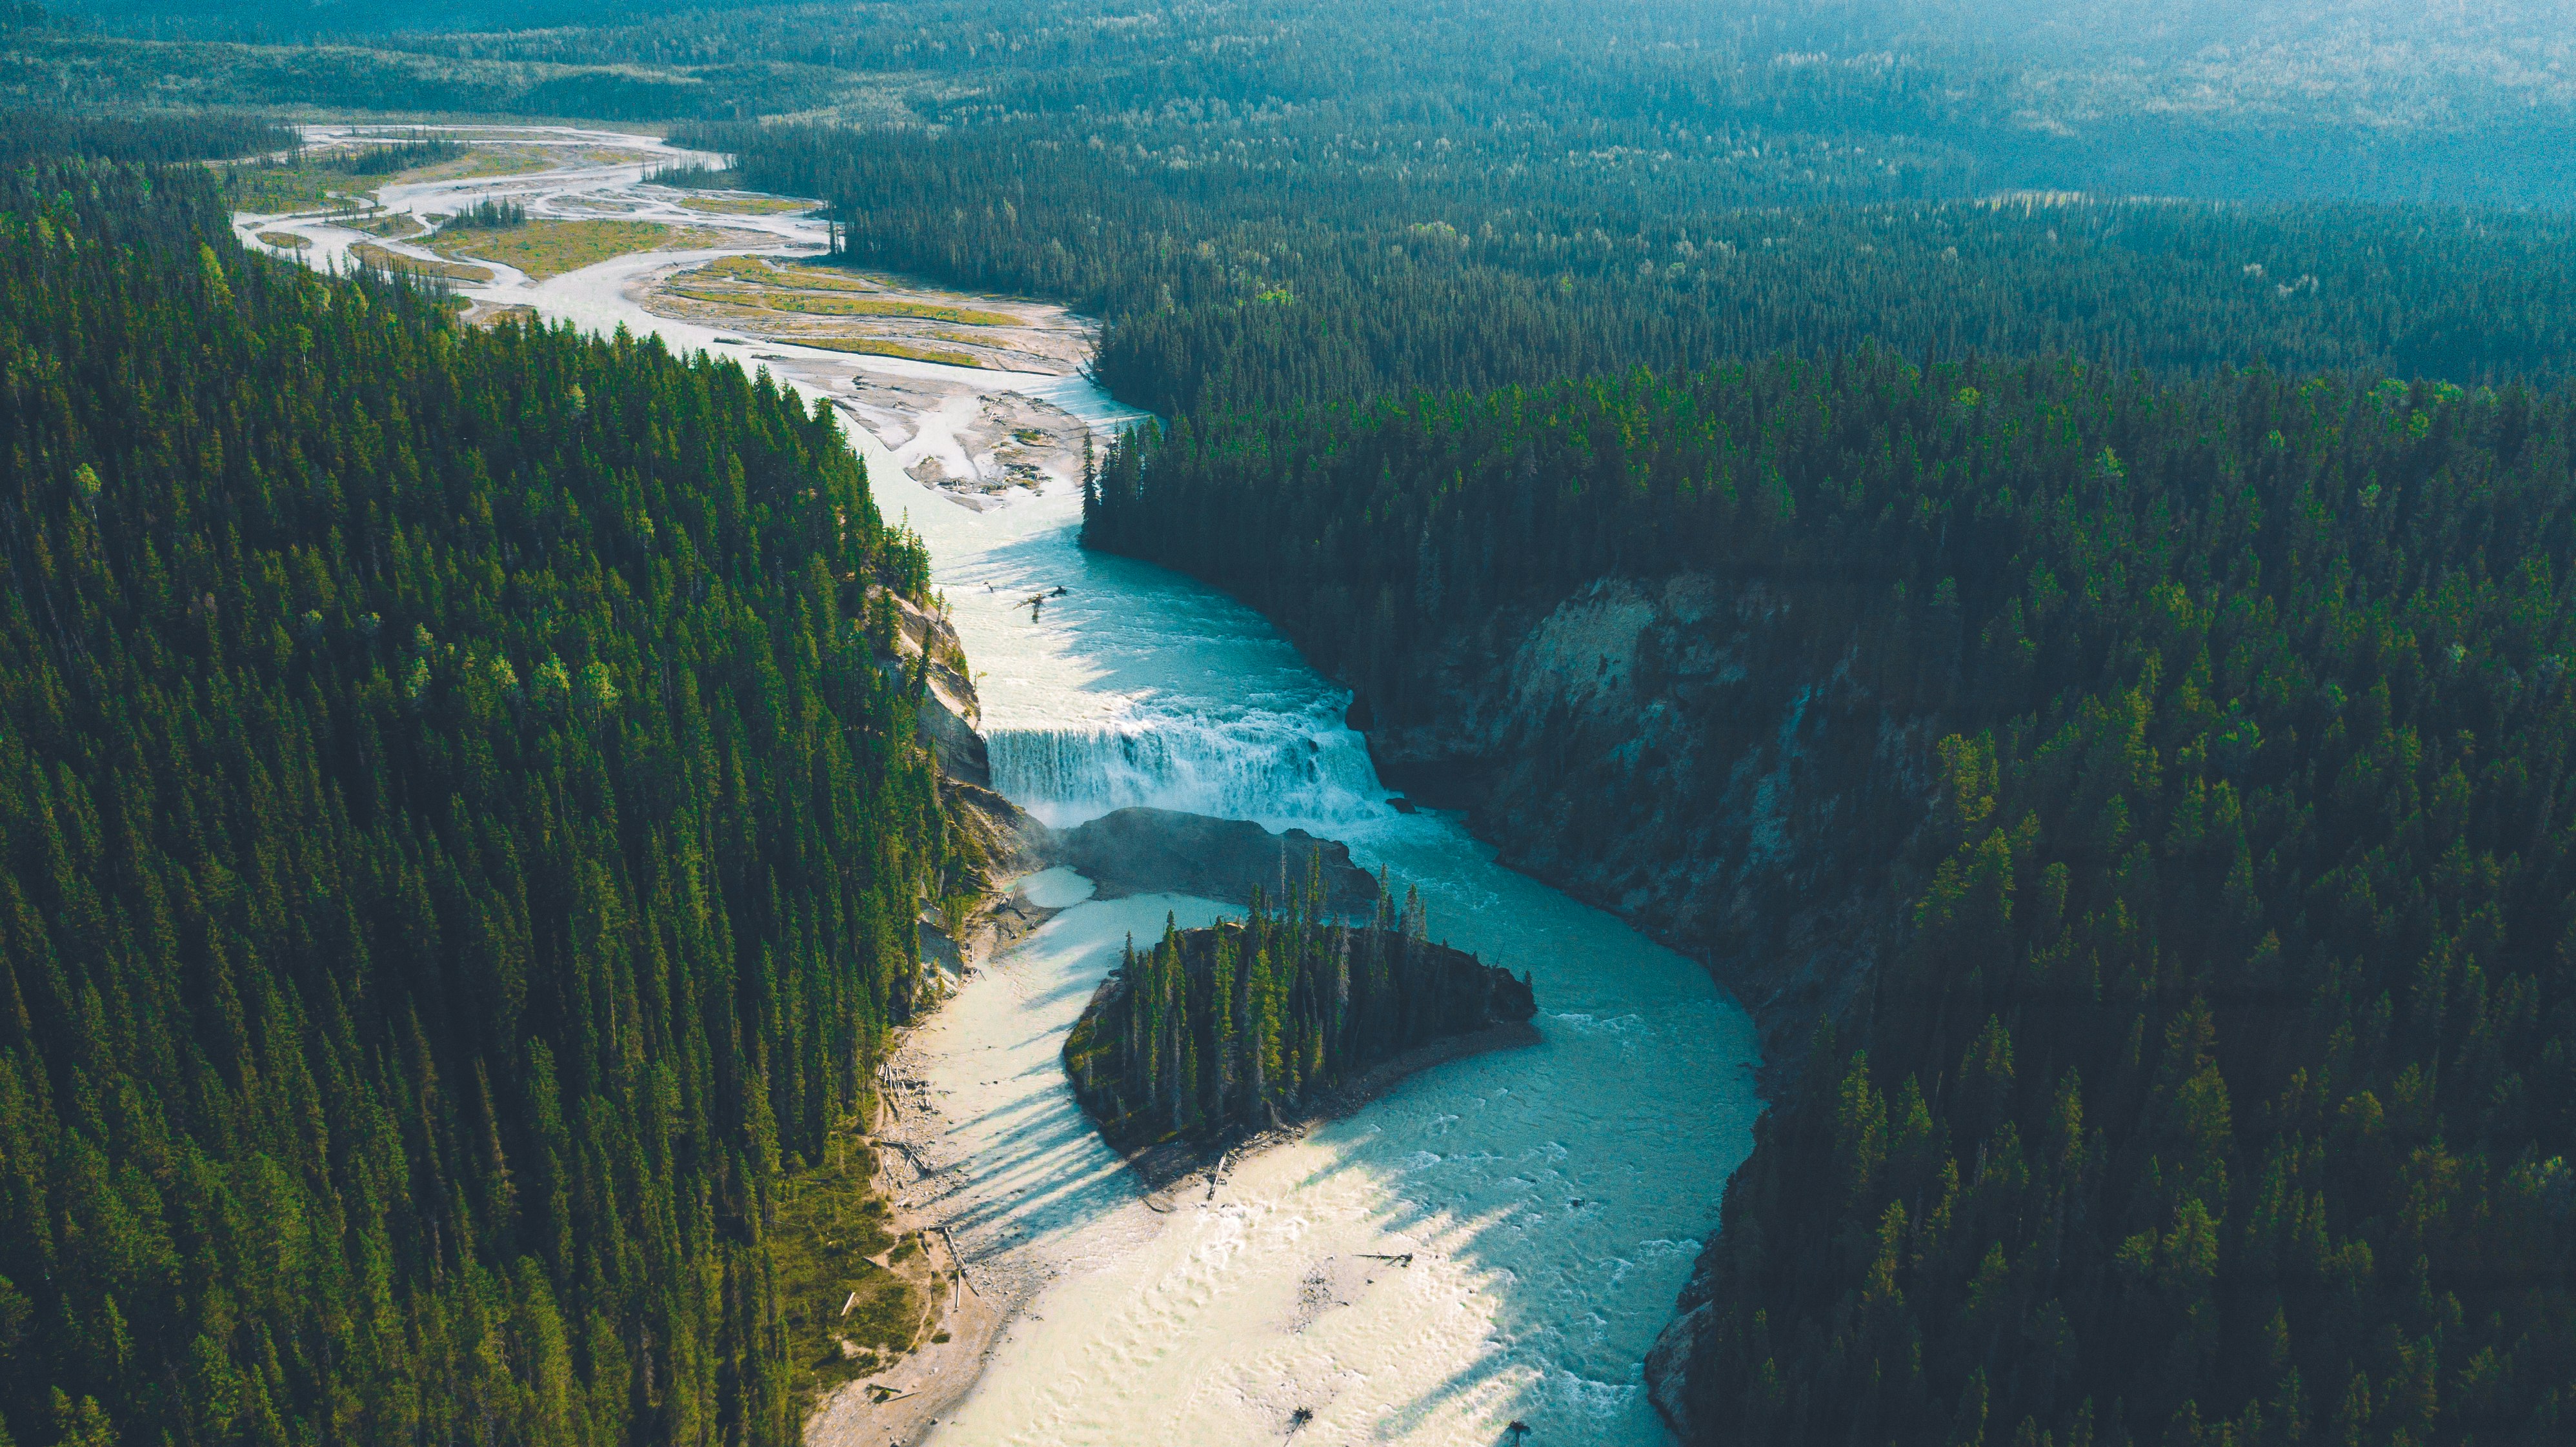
point(693, 178)
point(1310, 268)
point(97, 72)
point(488, 215)
point(1913, 108)
point(147, 138)
point(2223, 1086)
point(1217, 1030)
point(383, 157)
point(459, 845)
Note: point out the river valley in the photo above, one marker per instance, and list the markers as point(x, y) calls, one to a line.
point(1496, 1240)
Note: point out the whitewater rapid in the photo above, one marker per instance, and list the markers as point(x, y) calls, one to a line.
point(1550, 1200)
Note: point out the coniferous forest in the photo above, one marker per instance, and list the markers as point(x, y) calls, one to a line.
point(1218, 1030)
point(2224, 1083)
point(32, 135)
point(461, 838)
point(1327, 269)
point(458, 845)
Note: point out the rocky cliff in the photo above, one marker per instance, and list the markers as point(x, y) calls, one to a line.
point(950, 712)
point(1212, 1034)
point(1675, 751)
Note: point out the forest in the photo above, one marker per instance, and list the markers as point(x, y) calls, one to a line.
point(2211, 101)
point(1217, 1030)
point(461, 838)
point(1244, 283)
point(459, 843)
point(30, 135)
point(2223, 1085)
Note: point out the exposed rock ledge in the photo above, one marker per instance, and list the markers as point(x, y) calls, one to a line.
point(1688, 756)
point(950, 713)
point(1156, 851)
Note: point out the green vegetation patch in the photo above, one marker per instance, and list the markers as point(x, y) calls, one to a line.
point(748, 205)
point(766, 292)
point(282, 190)
point(762, 272)
point(845, 1315)
point(741, 301)
point(550, 248)
point(880, 347)
point(393, 225)
point(852, 306)
point(286, 240)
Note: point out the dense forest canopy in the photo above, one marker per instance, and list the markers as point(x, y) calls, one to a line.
point(1312, 204)
point(2362, 99)
point(30, 135)
point(459, 844)
point(2226, 1079)
point(1242, 279)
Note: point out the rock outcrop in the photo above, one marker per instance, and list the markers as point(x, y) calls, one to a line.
point(1147, 851)
point(950, 713)
point(999, 833)
point(1677, 752)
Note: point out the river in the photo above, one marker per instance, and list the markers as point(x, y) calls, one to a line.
point(1551, 1199)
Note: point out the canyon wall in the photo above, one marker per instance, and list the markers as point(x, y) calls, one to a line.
point(1673, 751)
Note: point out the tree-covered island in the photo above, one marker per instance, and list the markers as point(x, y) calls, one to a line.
point(1214, 1031)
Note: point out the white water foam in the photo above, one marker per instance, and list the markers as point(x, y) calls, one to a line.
point(1262, 766)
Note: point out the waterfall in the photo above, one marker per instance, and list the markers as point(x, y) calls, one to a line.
point(1276, 768)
